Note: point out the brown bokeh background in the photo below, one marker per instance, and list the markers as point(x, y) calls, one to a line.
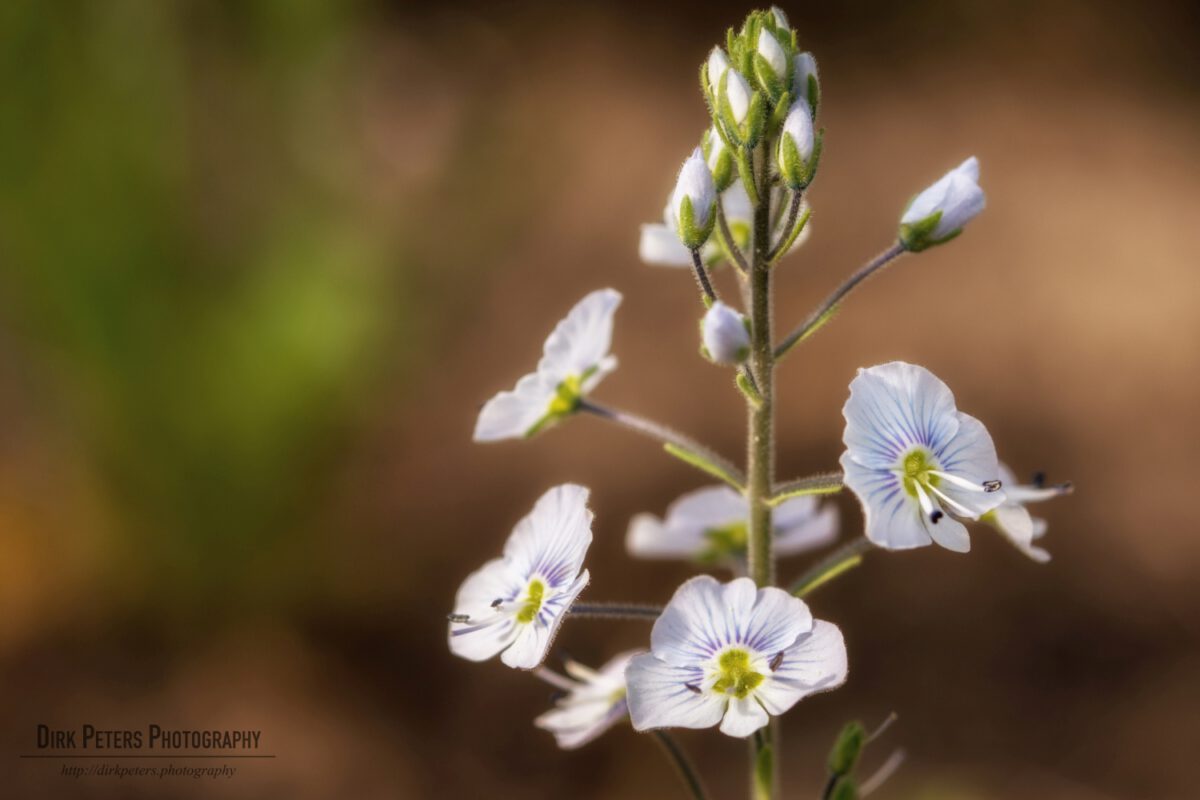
point(261, 262)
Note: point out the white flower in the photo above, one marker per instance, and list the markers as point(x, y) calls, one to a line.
point(940, 212)
point(725, 335)
point(574, 359)
point(1014, 522)
point(513, 605)
point(738, 93)
point(593, 702)
point(733, 654)
point(915, 462)
point(710, 524)
point(717, 64)
point(659, 244)
point(695, 186)
point(796, 144)
point(772, 52)
point(805, 67)
point(780, 18)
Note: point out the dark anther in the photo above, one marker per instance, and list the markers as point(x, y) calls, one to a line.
point(691, 687)
point(556, 695)
point(459, 617)
point(935, 515)
point(1039, 479)
point(991, 486)
point(499, 601)
point(1066, 487)
point(776, 661)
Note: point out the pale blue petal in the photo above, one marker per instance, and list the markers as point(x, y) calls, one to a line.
point(659, 697)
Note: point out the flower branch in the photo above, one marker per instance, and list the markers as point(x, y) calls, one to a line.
point(841, 560)
point(683, 765)
point(825, 483)
point(647, 613)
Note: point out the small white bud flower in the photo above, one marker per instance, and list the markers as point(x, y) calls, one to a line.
point(796, 145)
point(780, 18)
point(725, 335)
point(805, 67)
point(717, 64)
point(738, 93)
point(939, 212)
point(719, 159)
point(769, 49)
point(693, 201)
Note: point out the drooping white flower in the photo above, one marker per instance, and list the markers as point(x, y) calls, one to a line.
point(805, 81)
point(513, 605)
point(574, 360)
point(725, 335)
point(1012, 519)
point(732, 654)
point(717, 64)
point(710, 524)
point(593, 701)
point(916, 463)
point(771, 51)
point(693, 201)
point(794, 153)
point(939, 212)
point(738, 92)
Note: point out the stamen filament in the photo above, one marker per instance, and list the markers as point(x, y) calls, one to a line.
point(961, 482)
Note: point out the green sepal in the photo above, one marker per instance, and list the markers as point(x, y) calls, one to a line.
point(756, 119)
point(779, 114)
point(746, 171)
point(722, 173)
point(764, 772)
point(743, 385)
point(792, 168)
point(915, 236)
point(844, 789)
point(847, 748)
point(567, 397)
point(814, 94)
point(766, 77)
point(692, 235)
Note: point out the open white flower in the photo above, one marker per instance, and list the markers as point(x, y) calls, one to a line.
point(1012, 519)
point(916, 463)
point(574, 360)
point(513, 605)
point(939, 213)
point(593, 701)
point(709, 525)
point(733, 654)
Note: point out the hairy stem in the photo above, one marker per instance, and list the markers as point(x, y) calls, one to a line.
point(760, 446)
point(675, 443)
point(647, 613)
point(821, 314)
point(789, 229)
point(702, 278)
point(683, 765)
point(827, 483)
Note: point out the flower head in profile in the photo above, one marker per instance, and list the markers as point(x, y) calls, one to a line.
point(709, 525)
point(693, 201)
point(916, 463)
point(593, 700)
point(574, 360)
point(513, 605)
point(1013, 520)
point(726, 334)
point(732, 654)
point(939, 213)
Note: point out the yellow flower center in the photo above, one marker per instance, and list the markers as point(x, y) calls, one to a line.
point(736, 676)
point(916, 469)
point(533, 601)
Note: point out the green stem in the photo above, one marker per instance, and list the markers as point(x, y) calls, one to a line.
point(760, 448)
point(827, 483)
point(683, 765)
point(678, 445)
point(824, 312)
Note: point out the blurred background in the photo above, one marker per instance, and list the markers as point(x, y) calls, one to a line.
point(261, 262)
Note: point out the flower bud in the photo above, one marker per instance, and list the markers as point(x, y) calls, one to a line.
point(804, 80)
point(693, 201)
point(717, 64)
point(737, 92)
point(847, 748)
point(771, 51)
point(939, 213)
point(719, 159)
point(726, 337)
point(795, 151)
point(781, 19)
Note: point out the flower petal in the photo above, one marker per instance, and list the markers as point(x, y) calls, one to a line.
point(970, 455)
point(743, 717)
point(894, 407)
point(552, 540)
point(893, 519)
point(804, 523)
point(694, 625)
point(772, 622)
point(510, 415)
point(815, 663)
point(659, 696)
point(533, 639)
point(583, 338)
point(659, 245)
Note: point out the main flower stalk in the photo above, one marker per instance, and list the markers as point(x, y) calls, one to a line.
point(760, 450)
